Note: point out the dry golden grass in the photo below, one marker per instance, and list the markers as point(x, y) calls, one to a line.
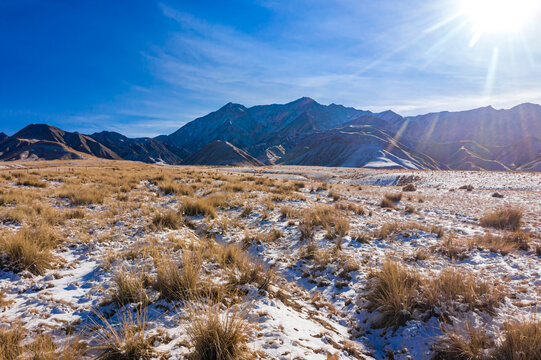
point(174, 284)
point(463, 343)
point(453, 285)
point(394, 197)
point(504, 218)
point(522, 341)
point(123, 341)
point(199, 207)
point(170, 187)
point(393, 292)
point(167, 220)
point(30, 248)
point(82, 194)
point(130, 287)
point(387, 204)
point(10, 341)
point(30, 180)
point(218, 334)
point(506, 243)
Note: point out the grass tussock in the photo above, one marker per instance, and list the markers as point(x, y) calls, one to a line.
point(167, 220)
point(455, 286)
point(169, 187)
point(503, 218)
point(506, 243)
point(218, 334)
point(467, 342)
point(123, 341)
point(80, 195)
point(179, 283)
point(522, 341)
point(30, 248)
point(130, 287)
point(393, 292)
point(30, 180)
point(10, 342)
point(387, 204)
point(394, 197)
point(199, 207)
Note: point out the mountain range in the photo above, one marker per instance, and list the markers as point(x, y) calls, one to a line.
point(304, 132)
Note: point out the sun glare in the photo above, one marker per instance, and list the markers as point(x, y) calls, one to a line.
point(500, 16)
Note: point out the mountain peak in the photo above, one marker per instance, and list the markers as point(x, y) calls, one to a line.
point(39, 132)
point(304, 101)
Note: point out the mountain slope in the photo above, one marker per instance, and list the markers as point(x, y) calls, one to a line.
point(37, 139)
point(141, 149)
point(221, 153)
point(357, 146)
point(3, 137)
point(485, 126)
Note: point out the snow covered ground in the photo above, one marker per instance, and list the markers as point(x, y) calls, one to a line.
point(316, 305)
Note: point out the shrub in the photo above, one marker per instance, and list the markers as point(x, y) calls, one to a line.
point(170, 220)
point(497, 195)
point(504, 218)
point(522, 341)
point(218, 335)
point(392, 293)
point(466, 187)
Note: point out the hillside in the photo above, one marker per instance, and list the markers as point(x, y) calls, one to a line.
point(221, 153)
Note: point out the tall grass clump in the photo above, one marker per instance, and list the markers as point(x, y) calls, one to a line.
point(503, 218)
point(393, 291)
point(30, 248)
point(168, 220)
point(198, 207)
point(466, 342)
point(10, 342)
point(123, 341)
point(130, 287)
point(218, 334)
point(522, 341)
point(176, 283)
point(82, 194)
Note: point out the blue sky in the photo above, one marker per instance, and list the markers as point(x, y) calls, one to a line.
point(145, 68)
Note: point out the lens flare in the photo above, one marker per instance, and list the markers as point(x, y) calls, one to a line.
point(500, 16)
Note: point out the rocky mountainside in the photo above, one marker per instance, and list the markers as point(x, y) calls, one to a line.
point(41, 141)
point(304, 132)
point(140, 149)
point(221, 153)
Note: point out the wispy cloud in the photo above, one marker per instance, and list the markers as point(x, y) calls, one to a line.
point(412, 58)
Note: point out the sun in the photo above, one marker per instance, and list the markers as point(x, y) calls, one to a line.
point(499, 16)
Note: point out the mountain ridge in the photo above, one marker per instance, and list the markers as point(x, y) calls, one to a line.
point(305, 132)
